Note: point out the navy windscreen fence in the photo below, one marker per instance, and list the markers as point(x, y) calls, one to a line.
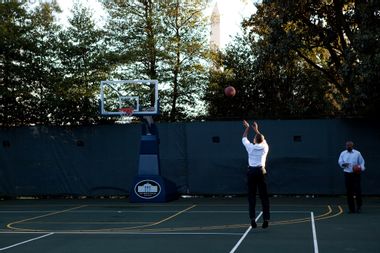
point(200, 157)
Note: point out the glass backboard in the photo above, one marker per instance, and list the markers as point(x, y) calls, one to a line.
point(135, 97)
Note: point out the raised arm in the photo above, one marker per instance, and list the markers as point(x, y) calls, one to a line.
point(255, 127)
point(246, 125)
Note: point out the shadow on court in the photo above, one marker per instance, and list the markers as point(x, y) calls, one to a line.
point(298, 224)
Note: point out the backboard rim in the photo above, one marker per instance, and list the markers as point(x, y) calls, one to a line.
point(105, 113)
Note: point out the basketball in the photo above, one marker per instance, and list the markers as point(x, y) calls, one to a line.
point(230, 91)
point(357, 168)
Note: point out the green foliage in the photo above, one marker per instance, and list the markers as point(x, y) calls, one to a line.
point(234, 67)
point(134, 33)
point(83, 63)
point(295, 59)
point(13, 24)
point(185, 59)
point(25, 62)
point(162, 40)
point(307, 59)
point(49, 75)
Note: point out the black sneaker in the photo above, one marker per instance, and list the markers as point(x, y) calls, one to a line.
point(253, 223)
point(265, 224)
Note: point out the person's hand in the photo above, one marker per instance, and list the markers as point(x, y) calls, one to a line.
point(245, 124)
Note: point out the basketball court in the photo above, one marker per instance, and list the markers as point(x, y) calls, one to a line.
point(207, 224)
point(152, 220)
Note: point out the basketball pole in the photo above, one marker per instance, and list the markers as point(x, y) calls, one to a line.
point(149, 185)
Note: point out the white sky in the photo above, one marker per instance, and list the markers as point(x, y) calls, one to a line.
point(232, 13)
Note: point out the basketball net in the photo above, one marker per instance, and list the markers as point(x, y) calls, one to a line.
point(126, 114)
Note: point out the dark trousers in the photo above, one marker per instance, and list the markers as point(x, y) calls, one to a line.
point(256, 181)
point(353, 188)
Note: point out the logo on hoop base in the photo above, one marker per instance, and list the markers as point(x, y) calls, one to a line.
point(147, 189)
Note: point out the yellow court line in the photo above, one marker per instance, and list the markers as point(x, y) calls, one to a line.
point(319, 217)
point(146, 228)
point(143, 226)
point(11, 225)
point(103, 229)
point(337, 214)
point(161, 221)
point(325, 215)
point(87, 222)
point(301, 220)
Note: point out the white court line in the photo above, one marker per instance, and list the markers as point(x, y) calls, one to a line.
point(244, 235)
point(314, 233)
point(124, 233)
point(30, 240)
point(122, 211)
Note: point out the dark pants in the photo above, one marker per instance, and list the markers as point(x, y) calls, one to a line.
point(353, 188)
point(256, 181)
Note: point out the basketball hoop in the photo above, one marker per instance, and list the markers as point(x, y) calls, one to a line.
point(125, 115)
point(126, 111)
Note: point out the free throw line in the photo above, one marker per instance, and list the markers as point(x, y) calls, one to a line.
point(314, 233)
point(23, 242)
point(244, 235)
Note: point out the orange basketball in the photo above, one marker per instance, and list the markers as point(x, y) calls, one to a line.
point(230, 91)
point(357, 168)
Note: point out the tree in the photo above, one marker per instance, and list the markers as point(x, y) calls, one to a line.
point(134, 33)
point(186, 58)
point(161, 40)
point(24, 62)
point(233, 67)
point(44, 67)
point(334, 38)
point(83, 63)
point(13, 25)
point(308, 59)
point(268, 84)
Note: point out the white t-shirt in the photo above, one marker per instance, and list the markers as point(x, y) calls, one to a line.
point(257, 153)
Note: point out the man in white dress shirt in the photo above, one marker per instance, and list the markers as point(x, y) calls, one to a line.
point(352, 163)
point(257, 154)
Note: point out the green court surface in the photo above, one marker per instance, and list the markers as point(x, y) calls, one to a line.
point(208, 224)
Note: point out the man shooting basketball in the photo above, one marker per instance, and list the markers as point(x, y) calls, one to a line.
point(257, 154)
